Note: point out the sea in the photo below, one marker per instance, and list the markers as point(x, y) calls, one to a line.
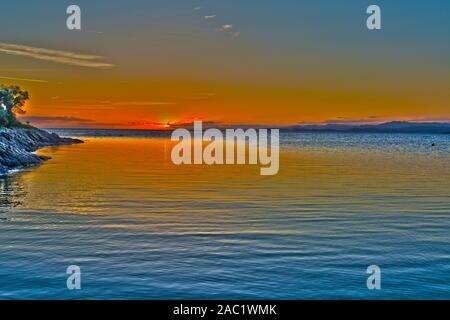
point(139, 227)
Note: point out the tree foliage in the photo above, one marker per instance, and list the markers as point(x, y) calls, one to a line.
point(12, 102)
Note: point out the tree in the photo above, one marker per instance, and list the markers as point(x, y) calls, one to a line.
point(12, 101)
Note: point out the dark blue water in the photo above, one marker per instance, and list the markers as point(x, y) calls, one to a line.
point(140, 228)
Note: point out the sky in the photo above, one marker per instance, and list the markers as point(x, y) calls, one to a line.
point(153, 64)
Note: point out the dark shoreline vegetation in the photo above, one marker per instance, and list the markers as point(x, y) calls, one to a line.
point(18, 144)
point(18, 141)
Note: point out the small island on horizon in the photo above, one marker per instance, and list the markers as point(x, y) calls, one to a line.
point(386, 127)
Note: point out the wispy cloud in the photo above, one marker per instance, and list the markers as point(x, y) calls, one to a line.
point(57, 56)
point(109, 105)
point(226, 27)
point(353, 121)
point(23, 79)
point(442, 118)
point(144, 103)
point(67, 122)
point(187, 124)
point(200, 96)
point(56, 119)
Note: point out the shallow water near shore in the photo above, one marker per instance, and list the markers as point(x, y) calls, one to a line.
point(142, 228)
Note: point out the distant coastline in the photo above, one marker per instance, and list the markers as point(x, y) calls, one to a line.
point(388, 127)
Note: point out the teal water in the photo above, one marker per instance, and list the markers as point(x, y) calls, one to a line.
point(141, 228)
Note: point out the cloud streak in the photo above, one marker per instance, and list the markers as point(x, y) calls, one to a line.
point(226, 27)
point(56, 56)
point(144, 103)
point(56, 119)
point(23, 79)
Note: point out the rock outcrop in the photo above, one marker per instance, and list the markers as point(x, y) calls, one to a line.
point(17, 146)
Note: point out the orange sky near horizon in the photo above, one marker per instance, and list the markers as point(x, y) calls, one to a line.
point(152, 104)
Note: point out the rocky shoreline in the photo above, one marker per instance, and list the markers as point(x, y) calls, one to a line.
point(18, 144)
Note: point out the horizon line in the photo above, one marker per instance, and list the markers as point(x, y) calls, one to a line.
point(256, 126)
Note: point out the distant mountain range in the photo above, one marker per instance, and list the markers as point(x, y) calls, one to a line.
point(389, 127)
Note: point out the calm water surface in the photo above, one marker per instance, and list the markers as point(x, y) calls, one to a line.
point(140, 227)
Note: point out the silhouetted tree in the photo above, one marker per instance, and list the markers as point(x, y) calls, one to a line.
point(12, 101)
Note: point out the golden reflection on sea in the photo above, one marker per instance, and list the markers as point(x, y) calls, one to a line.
point(131, 175)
